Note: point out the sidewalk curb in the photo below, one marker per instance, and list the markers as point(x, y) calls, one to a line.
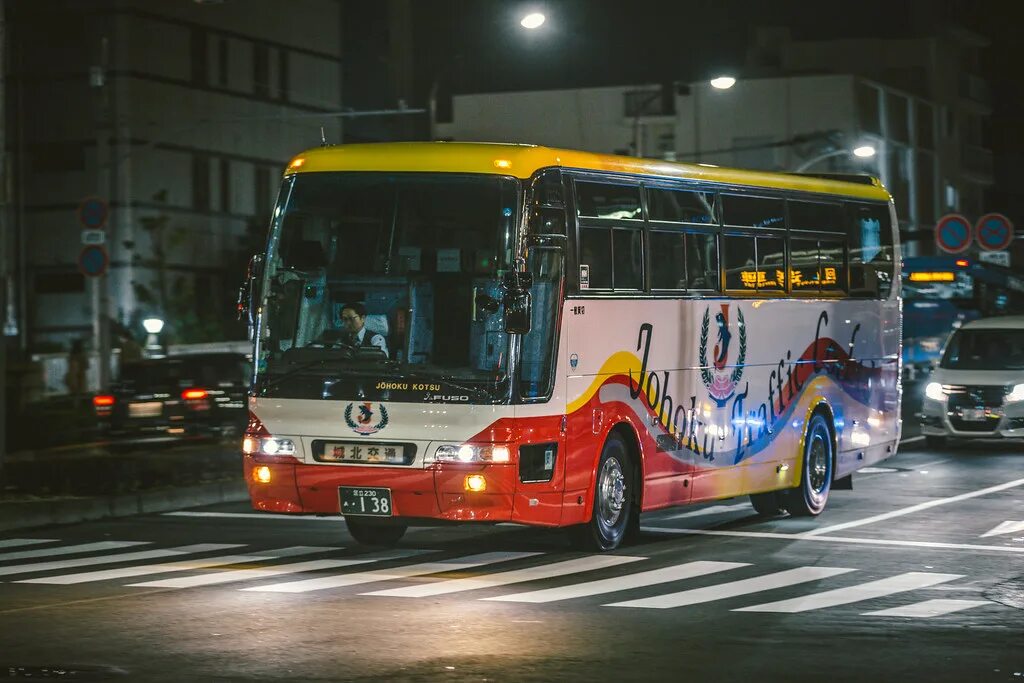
point(35, 513)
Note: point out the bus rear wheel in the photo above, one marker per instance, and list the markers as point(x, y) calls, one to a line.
point(808, 499)
point(613, 512)
point(371, 533)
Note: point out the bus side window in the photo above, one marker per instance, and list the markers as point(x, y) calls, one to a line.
point(596, 253)
point(871, 251)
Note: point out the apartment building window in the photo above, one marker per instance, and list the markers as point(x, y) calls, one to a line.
point(926, 183)
point(200, 182)
point(197, 41)
point(262, 194)
point(924, 116)
point(282, 74)
point(222, 62)
point(225, 186)
point(868, 115)
point(261, 70)
point(897, 118)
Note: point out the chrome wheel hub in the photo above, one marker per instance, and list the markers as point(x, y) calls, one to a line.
point(611, 493)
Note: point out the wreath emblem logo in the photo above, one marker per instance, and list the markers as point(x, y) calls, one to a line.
point(719, 379)
point(363, 423)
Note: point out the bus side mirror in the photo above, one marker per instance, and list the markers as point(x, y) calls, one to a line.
point(518, 309)
point(246, 302)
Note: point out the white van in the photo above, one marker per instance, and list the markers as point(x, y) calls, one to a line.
point(977, 391)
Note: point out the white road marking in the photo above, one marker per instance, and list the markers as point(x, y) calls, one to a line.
point(858, 593)
point(1008, 527)
point(443, 587)
point(70, 550)
point(915, 508)
point(12, 542)
point(117, 557)
point(713, 510)
point(876, 470)
point(973, 547)
point(257, 515)
point(928, 608)
point(788, 577)
point(356, 578)
point(168, 567)
point(653, 577)
point(252, 573)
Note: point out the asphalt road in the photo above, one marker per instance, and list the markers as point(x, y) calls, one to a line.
point(915, 575)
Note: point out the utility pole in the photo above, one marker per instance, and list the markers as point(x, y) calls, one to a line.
point(5, 230)
point(104, 170)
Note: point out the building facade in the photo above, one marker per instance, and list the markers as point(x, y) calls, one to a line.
point(179, 118)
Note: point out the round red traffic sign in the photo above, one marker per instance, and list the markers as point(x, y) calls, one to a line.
point(93, 212)
point(993, 232)
point(93, 260)
point(953, 233)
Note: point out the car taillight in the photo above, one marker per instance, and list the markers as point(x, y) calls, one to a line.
point(194, 394)
point(103, 404)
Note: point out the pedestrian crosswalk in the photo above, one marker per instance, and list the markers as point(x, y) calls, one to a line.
point(499, 576)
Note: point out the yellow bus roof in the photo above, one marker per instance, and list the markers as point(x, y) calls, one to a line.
point(523, 160)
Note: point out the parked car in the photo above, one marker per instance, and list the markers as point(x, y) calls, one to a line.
point(977, 390)
point(198, 395)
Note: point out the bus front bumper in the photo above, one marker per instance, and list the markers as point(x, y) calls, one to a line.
point(439, 492)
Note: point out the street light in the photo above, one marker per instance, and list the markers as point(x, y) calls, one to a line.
point(532, 20)
point(863, 151)
point(723, 82)
point(153, 327)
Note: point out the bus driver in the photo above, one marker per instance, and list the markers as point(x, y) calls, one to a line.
point(353, 332)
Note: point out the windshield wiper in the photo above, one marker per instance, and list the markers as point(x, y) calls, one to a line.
point(292, 372)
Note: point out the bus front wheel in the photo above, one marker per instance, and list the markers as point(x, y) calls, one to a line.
point(613, 512)
point(809, 497)
point(370, 533)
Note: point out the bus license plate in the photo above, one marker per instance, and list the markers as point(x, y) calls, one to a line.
point(373, 502)
point(973, 414)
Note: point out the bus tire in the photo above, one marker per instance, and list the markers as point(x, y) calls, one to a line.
point(809, 497)
point(768, 504)
point(613, 506)
point(370, 533)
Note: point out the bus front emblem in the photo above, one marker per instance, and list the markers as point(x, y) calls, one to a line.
point(718, 377)
point(363, 419)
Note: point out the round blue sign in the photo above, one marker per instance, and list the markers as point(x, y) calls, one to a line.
point(93, 260)
point(93, 212)
point(994, 232)
point(953, 233)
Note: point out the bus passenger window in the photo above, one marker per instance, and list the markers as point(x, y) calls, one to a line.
point(870, 240)
point(771, 264)
point(596, 253)
point(740, 267)
point(804, 272)
point(832, 264)
point(701, 261)
point(668, 260)
point(628, 266)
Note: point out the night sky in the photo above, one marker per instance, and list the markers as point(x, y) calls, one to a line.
point(478, 46)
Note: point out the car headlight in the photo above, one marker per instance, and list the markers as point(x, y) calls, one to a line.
point(469, 452)
point(934, 391)
point(1016, 394)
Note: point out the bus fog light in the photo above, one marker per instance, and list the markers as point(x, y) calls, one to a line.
point(476, 483)
point(261, 474)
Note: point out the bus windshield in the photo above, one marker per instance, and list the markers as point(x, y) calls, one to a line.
point(386, 286)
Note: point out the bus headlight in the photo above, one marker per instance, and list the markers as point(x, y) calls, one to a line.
point(1016, 394)
point(469, 452)
point(934, 391)
point(268, 446)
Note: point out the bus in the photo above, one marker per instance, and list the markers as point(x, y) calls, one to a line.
point(491, 333)
point(941, 293)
